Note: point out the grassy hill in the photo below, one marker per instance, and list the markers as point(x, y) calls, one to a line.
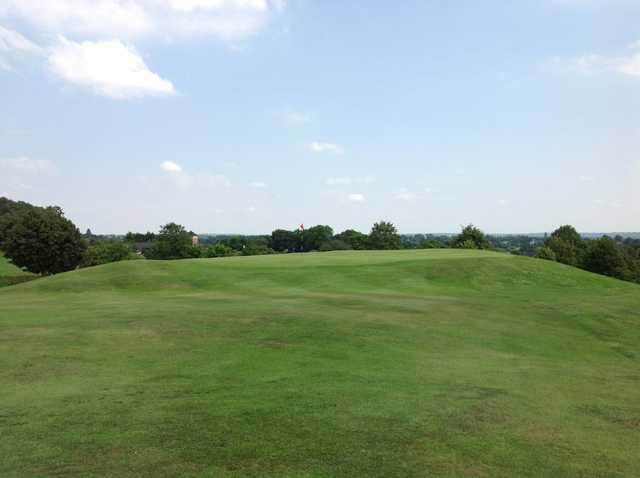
point(10, 274)
point(412, 363)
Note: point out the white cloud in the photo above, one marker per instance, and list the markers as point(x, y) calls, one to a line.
point(108, 68)
point(296, 117)
point(355, 197)
point(19, 174)
point(13, 45)
point(338, 181)
point(258, 184)
point(171, 167)
point(24, 165)
point(405, 195)
point(331, 148)
point(230, 19)
point(346, 181)
point(592, 64)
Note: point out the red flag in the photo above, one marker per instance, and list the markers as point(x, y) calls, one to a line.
point(301, 228)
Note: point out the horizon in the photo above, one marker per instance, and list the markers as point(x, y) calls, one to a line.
point(257, 115)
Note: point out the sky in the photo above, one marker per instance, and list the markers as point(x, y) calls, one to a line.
point(243, 116)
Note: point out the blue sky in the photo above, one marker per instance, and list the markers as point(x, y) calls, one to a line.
point(250, 115)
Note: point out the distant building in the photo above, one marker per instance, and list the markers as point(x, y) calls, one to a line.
point(195, 240)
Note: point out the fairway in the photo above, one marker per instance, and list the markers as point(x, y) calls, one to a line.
point(447, 363)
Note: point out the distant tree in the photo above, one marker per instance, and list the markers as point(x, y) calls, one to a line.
point(335, 245)
point(314, 237)
point(546, 253)
point(258, 247)
point(173, 242)
point(471, 237)
point(139, 237)
point(432, 244)
point(569, 235)
point(107, 251)
point(284, 241)
point(219, 249)
point(43, 241)
point(567, 245)
point(605, 256)
point(384, 236)
point(355, 239)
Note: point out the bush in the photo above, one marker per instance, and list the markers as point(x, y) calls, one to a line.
point(471, 238)
point(106, 252)
point(219, 250)
point(335, 245)
point(546, 253)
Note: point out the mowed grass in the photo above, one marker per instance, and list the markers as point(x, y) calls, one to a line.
point(10, 274)
point(365, 364)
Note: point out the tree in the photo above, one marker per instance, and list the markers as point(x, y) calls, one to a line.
point(43, 241)
point(106, 252)
point(567, 245)
point(546, 253)
point(355, 239)
point(471, 238)
point(384, 236)
point(10, 211)
point(605, 256)
point(219, 249)
point(173, 242)
point(432, 244)
point(284, 241)
point(314, 237)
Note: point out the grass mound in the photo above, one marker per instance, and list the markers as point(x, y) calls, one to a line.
point(404, 363)
point(11, 275)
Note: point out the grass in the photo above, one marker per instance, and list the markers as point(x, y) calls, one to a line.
point(11, 275)
point(378, 364)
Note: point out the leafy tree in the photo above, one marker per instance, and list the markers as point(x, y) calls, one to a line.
point(567, 245)
point(432, 244)
point(106, 252)
point(471, 238)
point(43, 241)
point(314, 237)
point(546, 253)
point(384, 236)
point(219, 249)
point(284, 241)
point(173, 242)
point(140, 237)
point(10, 211)
point(605, 256)
point(569, 235)
point(355, 239)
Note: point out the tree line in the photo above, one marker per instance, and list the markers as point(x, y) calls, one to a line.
point(43, 241)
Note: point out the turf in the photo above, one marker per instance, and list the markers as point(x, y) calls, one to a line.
point(377, 364)
point(10, 274)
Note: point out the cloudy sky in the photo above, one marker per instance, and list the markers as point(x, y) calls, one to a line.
point(248, 115)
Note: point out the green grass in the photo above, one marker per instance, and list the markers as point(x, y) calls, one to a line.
point(365, 364)
point(11, 275)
